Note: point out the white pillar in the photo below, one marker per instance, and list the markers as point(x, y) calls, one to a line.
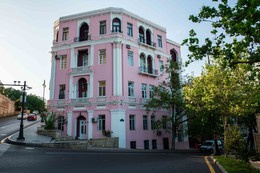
point(52, 81)
point(117, 68)
point(69, 124)
point(90, 124)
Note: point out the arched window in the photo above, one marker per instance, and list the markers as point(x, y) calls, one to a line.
point(148, 37)
point(82, 88)
point(173, 55)
point(150, 64)
point(141, 34)
point(57, 36)
point(116, 25)
point(142, 63)
point(83, 32)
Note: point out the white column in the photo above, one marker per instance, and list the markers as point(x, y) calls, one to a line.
point(71, 87)
point(52, 81)
point(69, 124)
point(91, 55)
point(90, 124)
point(90, 91)
point(117, 68)
point(72, 58)
point(118, 126)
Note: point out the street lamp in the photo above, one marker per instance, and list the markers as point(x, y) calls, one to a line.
point(44, 85)
point(24, 87)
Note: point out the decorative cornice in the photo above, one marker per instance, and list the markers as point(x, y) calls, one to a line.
point(173, 42)
point(111, 10)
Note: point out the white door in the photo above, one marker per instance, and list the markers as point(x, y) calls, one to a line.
point(82, 129)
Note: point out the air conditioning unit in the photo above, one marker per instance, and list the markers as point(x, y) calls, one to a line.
point(128, 46)
point(159, 56)
point(94, 120)
point(58, 57)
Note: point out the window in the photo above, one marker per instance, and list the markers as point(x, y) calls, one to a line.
point(161, 66)
point(82, 58)
point(102, 88)
point(102, 27)
point(60, 123)
point(132, 122)
point(130, 88)
point(146, 144)
point(130, 29)
point(65, 34)
point(164, 122)
point(151, 88)
point(83, 32)
point(101, 122)
point(82, 88)
point(116, 25)
point(130, 58)
point(133, 144)
point(159, 41)
point(154, 144)
point(62, 91)
point(144, 91)
point(173, 55)
point(85, 60)
point(145, 122)
point(63, 63)
point(153, 122)
point(102, 56)
point(141, 35)
point(148, 37)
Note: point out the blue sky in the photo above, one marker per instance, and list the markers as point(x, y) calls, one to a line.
point(26, 32)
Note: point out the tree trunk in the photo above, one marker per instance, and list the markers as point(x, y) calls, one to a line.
point(173, 127)
point(225, 134)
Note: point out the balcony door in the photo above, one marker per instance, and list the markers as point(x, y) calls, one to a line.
point(82, 88)
point(82, 58)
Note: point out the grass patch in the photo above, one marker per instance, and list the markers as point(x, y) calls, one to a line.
point(232, 165)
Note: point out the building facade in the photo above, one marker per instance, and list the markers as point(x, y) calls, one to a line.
point(105, 64)
point(7, 106)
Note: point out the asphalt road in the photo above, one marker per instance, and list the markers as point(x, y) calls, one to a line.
point(43, 160)
point(24, 159)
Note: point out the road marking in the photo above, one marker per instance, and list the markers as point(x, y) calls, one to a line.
point(3, 127)
point(29, 148)
point(3, 134)
point(211, 169)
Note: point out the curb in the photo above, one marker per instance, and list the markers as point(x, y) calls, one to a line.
point(219, 166)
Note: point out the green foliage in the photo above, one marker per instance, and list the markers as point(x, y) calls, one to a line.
point(233, 165)
point(235, 33)
point(50, 121)
point(107, 133)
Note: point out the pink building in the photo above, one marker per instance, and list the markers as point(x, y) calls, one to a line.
point(104, 66)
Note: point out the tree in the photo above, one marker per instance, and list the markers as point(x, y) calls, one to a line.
point(224, 92)
point(235, 33)
point(168, 96)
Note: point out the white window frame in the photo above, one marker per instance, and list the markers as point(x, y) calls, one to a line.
point(132, 122)
point(130, 89)
point(130, 55)
point(102, 56)
point(144, 90)
point(101, 88)
point(63, 62)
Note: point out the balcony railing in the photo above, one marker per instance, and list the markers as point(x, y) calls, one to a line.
point(79, 39)
point(81, 69)
point(144, 42)
point(80, 101)
point(148, 71)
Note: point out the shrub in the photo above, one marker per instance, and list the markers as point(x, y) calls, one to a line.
point(50, 121)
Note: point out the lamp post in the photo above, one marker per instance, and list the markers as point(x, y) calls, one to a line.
point(44, 85)
point(23, 87)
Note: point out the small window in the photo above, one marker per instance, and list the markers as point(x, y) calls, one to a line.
point(151, 89)
point(102, 56)
point(159, 41)
point(101, 122)
point(62, 91)
point(130, 29)
point(133, 144)
point(146, 144)
point(154, 144)
point(161, 66)
point(130, 58)
point(60, 123)
point(102, 88)
point(131, 89)
point(65, 34)
point(141, 35)
point(132, 122)
point(153, 122)
point(63, 64)
point(145, 122)
point(102, 27)
point(144, 90)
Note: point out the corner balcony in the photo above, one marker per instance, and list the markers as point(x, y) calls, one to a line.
point(148, 71)
point(81, 69)
point(80, 39)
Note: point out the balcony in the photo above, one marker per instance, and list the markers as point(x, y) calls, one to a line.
point(80, 101)
point(80, 70)
point(149, 44)
point(61, 103)
point(148, 71)
point(79, 39)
